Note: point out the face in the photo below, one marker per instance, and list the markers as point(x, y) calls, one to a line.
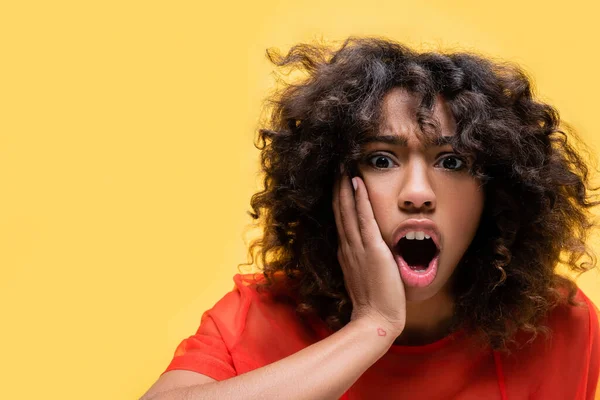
point(408, 180)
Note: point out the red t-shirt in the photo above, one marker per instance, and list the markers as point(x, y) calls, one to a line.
point(246, 330)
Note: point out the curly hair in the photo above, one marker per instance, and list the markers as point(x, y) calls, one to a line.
point(537, 197)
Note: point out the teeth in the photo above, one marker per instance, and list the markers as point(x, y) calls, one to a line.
point(416, 235)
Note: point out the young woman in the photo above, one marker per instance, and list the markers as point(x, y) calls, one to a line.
point(415, 208)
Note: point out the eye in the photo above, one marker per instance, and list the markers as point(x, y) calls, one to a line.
point(453, 163)
point(380, 161)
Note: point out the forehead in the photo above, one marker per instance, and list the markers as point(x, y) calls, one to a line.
point(399, 115)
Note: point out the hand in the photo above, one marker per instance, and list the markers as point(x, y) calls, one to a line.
point(370, 272)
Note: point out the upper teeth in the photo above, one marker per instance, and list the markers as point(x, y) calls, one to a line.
point(416, 235)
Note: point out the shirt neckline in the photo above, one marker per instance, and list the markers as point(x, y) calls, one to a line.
point(324, 331)
point(403, 349)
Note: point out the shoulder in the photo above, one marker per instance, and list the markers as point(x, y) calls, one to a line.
point(574, 324)
point(572, 330)
point(569, 360)
point(254, 290)
point(253, 306)
point(259, 324)
point(247, 328)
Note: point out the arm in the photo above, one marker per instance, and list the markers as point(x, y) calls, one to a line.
point(328, 368)
point(324, 370)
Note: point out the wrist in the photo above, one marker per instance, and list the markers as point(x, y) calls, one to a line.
point(377, 329)
point(395, 327)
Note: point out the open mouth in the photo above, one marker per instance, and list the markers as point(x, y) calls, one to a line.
point(418, 254)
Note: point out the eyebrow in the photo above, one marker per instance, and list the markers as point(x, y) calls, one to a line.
point(402, 141)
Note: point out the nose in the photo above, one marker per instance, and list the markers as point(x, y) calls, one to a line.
point(416, 193)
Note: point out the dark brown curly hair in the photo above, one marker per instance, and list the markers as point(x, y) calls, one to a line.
point(537, 196)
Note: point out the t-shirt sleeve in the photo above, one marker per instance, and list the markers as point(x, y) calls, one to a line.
point(591, 381)
point(208, 351)
point(569, 365)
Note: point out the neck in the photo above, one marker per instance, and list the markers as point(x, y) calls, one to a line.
point(428, 321)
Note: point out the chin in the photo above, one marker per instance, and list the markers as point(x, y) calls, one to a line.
point(417, 295)
point(435, 289)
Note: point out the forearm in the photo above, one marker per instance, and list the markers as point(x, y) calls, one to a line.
point(324, 370)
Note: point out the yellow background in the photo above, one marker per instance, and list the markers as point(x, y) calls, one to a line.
point(127, 164)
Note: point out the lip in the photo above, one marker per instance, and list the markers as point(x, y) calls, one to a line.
point(424, 225)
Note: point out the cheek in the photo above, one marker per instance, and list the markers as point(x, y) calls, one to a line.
point(463, 206)
point(383, 203)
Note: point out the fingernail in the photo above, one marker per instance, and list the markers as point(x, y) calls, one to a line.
point(354, 183)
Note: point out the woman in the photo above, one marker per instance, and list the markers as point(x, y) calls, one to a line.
point(415, 208)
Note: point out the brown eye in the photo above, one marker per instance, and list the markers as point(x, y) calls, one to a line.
point(381, 161)
point(453, 163)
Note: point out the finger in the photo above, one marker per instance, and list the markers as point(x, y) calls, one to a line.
point(368, 228)
point(348, 212)
point(336, 210)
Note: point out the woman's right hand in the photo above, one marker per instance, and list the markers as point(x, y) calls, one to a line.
point(370, 272)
